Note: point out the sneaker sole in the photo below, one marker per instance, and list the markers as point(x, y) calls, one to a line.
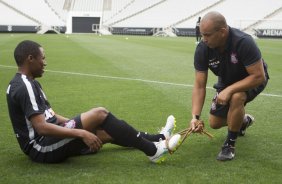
point(224, 159)
point(161, 160)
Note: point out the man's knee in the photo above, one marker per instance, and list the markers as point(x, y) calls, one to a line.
point(238, 98)
point(216, 122)
point(99, 113)
point(215, 125)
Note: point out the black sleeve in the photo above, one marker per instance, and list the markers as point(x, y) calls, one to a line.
point(29, 103)
point(249, 52)
point(201, 58)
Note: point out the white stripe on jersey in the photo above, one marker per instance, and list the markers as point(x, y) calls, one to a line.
point(52, 147)
point(30, 93)
point(30, 129)
point(8, 89)
point(43, 94)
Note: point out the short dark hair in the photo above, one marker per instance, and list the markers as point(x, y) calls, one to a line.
point(24, 49)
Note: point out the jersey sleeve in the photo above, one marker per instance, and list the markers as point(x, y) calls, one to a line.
point(200, 58)
point(28, 100)
point(249, 52)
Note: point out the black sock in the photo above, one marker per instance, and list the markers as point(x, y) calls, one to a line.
point(152, 137)
point(125, 135)
point(145, 135)
point(231, 138)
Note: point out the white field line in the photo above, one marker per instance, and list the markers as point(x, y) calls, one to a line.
point(132, 79)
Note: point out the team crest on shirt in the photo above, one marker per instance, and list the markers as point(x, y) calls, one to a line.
point(233, 58)
point(70, 124)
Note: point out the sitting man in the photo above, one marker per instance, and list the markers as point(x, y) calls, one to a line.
point(48, 137)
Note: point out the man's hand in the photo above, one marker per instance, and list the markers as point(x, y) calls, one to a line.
point(196, 125)
point(223, 97)
point(92, 141)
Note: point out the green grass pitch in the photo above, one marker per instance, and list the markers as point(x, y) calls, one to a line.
point(141, 80)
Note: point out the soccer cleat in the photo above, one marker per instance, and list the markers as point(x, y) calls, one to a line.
point(227, 153)
point(173, 143)
point(167, 131)
point(163, 150)
point(248, 121)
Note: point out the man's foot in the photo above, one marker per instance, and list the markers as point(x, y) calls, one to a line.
point(167, 131)
point(227, 153)
point(248, 121)
point(163, 150)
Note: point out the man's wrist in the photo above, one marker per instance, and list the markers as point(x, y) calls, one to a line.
point(195, 116)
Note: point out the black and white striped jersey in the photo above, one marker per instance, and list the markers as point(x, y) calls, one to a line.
point(26, 98)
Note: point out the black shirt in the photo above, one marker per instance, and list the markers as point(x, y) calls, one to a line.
point(230, 66)
point(25, 98)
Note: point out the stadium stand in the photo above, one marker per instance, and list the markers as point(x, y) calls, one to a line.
point(60, 8)
point(141, 17)
point(87, 5)
point(238, 13)
point(40, 13)
point(15, 17)
point(113, 9)
point(273, 21)
point(164, 14)
point(135, 9)
point(235, 13)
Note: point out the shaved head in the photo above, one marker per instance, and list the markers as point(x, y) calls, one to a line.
point(215, 19)
point(214, 30)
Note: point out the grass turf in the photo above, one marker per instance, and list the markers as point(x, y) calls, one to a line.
point(141, 80)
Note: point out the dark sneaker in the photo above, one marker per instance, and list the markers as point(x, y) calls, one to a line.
point(248, 121)
point(227, 153)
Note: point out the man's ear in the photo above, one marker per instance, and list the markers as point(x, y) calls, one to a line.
point(30, 58)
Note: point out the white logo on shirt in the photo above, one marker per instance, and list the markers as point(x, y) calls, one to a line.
point(234, 59)
point(49, 113)
point(213, 63)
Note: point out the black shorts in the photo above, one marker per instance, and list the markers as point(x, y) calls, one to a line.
point(222, 110)
point(54, 150)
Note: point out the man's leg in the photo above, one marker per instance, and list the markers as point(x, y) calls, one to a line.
point(165, 133)
point(235, 118)
point(124, 134)
point(93, 119)
point(120, 132)
point(217, 122)
point(236, 111)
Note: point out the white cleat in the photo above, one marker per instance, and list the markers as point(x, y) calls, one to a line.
point(174, 142)
point(164, 147)
point(167, 131)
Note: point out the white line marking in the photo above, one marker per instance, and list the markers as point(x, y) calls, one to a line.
point(133, 79)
